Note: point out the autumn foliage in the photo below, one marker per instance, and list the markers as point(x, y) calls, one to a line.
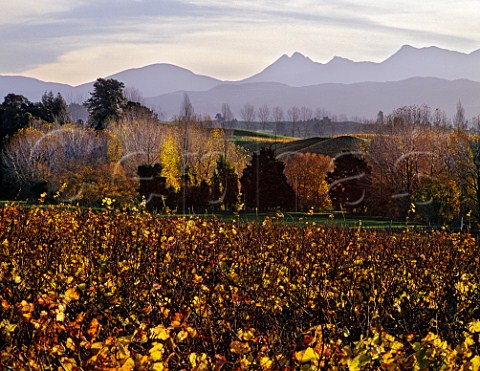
point(111, 289)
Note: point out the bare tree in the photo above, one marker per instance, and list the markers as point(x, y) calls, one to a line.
point(320, 113)
point(132, 94)
point(263, 115)
point(306, 115)
point(277, 115)
point(459, 121)
point(141, 141)
point(293, 116)
point(439, 118)
point(18, 163)
point(227, 115)
point(65, 155)
point(186, 110)
point(405, 156)
point(248, 114)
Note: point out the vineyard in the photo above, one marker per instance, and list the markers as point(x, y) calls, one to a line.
point(112, 289)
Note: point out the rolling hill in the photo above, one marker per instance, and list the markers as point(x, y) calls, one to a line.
point(325, 146)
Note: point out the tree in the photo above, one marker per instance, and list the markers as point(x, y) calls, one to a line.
point(153, 187)
point(293, 116)
point(84, 164)
point(227, 115)
point(141, 141)
point(306, 173)
point(20, 167)
point(132, 94)
point(54, 109)
point(14, 114)
point(306, 115)
point(171, 160)
point(263, 115)
point(459, 121)
point(136, 111)
point(106, 102)
point(349, 182)
point(225, 190)
point(464, 167)
point(78, 113)
point(409, 157)
point(439, 118)
point(277, 115)
point(247, 113)
point(264, 184)
point(186, 110)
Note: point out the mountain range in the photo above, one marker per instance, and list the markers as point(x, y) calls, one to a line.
point(433, 76)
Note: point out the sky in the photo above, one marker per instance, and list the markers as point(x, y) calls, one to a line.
point(78, 41)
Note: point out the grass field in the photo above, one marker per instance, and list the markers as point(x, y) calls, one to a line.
point(329, 146)
point(329, 219)
point(253, 140)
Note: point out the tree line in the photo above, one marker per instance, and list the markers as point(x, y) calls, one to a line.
point(414, 166)
point(125, 153)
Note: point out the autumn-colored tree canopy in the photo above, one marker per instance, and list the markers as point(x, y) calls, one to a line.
point(306, 173)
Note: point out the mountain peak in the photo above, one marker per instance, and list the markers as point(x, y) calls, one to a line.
point(298, 55)
point(408, 50)
point(407, 47)
point(337, 59)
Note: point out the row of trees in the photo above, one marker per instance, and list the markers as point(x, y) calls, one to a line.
point(109, 156)
point(414, 166)
point(264, 114)
point(291, 122)
point(185, 164)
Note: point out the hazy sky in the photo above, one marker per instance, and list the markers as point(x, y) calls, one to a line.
point(76, 41)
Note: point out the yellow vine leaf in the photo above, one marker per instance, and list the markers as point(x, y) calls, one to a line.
point(306, 355)
point(198, 361)
point(474, 326)
point(181, 336)
point(158, 366)
point(475, 363)
point(128, 365)
point(70, 344)
point(160, 332)
point(156, 352)
point(72, 294)
point(359, 362)
point(266, 363)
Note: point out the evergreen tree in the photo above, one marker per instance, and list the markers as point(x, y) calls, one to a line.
point(349, 182)
point(15, 114)
point(264, 184)
point(153, 187)
point(106, 102)
point(53, 109)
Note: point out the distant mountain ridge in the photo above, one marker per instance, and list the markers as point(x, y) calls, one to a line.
point(150, 81)
point(299, 70)
point(432, 69)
